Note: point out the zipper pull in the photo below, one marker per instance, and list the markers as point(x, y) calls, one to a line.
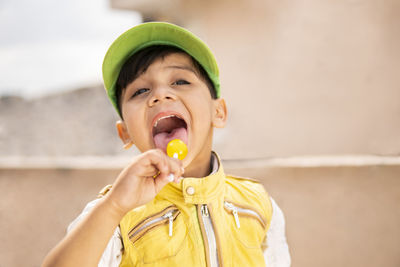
point(171, 222)
point(234, 211)
point(236, 216)
point(204, 210)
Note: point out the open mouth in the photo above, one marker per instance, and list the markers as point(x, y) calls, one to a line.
point(167, 128)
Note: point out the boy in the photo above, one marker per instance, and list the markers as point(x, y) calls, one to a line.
point(161, 211)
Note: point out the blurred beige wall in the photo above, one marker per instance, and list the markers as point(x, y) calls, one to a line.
point(300, 77)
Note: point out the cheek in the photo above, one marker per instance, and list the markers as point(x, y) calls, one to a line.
point(134, 120)
point(203, 112)
point(131, 110)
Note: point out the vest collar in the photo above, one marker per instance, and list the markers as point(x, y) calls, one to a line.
point(198, 190)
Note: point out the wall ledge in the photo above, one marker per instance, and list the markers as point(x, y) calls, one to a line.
point(118, 162)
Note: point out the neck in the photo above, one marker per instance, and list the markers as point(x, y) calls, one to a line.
point(199, 170)
point(200, 166)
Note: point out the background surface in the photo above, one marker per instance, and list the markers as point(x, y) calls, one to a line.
point(313, 94)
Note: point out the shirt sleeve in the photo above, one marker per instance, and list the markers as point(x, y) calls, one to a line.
point(112, 254)
point(276, 249)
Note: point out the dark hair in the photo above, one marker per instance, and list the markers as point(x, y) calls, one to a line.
point(138, 63)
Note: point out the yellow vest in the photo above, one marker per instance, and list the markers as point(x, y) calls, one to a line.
point(218, 220)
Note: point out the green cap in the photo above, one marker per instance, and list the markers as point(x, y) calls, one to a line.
point(155, 33)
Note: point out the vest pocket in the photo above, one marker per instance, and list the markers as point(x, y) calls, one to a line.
point(159, 236)
point(248, 224)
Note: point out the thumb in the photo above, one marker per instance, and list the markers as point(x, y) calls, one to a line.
point(162, 180)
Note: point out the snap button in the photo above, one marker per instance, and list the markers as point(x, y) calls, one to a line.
point(190, 190)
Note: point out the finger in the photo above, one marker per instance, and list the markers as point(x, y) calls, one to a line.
point(161, 181)
point(176, 169)
point(155, 161)
point(165, 165)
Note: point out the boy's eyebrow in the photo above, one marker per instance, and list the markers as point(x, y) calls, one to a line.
point(182, 68)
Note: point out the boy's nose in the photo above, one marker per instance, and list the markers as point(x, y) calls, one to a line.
point(161, 94)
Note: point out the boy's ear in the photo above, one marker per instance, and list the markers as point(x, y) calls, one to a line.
point(123, 133)
point(221, 113)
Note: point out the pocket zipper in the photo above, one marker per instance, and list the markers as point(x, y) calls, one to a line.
point(236, 210)
point(170, 215)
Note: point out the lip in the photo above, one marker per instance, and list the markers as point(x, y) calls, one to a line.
point(166, 114)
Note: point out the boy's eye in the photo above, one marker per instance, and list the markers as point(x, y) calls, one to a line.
point(140, 91)
point(180, 82)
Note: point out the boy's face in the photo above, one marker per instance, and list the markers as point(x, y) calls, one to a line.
point(168, 101)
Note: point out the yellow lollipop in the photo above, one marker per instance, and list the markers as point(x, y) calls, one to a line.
point(177, 149)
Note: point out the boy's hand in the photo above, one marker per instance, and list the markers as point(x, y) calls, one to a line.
point(141, 181)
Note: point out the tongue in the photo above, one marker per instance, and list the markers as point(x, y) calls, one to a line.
point(162, 139)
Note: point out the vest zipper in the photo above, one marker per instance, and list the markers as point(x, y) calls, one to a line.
point(167, 215)
point(236, 210)
point(209, 238)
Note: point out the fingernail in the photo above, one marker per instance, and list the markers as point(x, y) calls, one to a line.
point(183, 170)
point(170, 177)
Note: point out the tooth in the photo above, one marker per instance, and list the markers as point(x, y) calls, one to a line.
point(165, 117)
